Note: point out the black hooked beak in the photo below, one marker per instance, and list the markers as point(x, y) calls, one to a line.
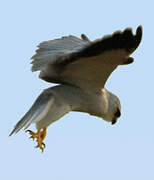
point(116, 116)
point(114, 120)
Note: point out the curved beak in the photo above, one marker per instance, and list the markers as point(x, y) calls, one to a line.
point(114, 120)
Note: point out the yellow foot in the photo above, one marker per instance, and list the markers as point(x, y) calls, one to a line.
point(39, 136)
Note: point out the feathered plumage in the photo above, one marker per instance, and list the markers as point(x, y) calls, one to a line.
point(81, 67)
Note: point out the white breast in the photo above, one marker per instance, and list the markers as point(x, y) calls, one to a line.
point(92, 102)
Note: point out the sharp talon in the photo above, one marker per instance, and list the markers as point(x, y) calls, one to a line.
point(42, 148)
point(37, 146)
point(39, 136)
point(43, 145)
point(31, 137)
point(29, 131)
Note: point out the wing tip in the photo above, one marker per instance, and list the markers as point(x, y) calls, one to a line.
point(137, 38)
point(140, 28)
point(132, 40)
point(139, 32)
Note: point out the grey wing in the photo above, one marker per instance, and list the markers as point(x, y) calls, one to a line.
point(50, 51)
point(84, 63)
point(37, 112)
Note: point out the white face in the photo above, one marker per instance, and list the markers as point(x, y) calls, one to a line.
point(114, 108)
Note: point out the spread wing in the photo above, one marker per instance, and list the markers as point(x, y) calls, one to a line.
point(82, 62)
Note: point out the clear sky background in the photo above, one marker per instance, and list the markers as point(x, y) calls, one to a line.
point(78, 146)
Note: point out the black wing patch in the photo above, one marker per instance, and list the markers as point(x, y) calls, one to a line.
point(119, 40)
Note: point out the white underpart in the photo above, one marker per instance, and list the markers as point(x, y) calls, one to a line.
point(55, 102)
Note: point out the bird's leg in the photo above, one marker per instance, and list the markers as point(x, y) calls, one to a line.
point(39, 136)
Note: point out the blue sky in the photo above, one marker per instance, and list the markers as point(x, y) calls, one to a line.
point(79, 146)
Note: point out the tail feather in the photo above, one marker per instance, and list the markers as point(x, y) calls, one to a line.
point(23, 122)
point(37, 112)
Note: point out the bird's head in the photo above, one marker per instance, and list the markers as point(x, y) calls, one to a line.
point(117, 114)
point(114, 108)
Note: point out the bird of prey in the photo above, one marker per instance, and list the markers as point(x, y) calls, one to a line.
point(81, 68)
